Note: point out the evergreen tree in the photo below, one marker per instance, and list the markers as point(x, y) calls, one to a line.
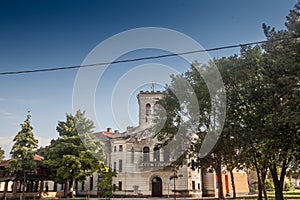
point(76, 154)
point(23, 151)
point(281, 72)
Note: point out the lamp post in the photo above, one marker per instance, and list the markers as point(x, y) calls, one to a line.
point(168, 183)
point(174, 177)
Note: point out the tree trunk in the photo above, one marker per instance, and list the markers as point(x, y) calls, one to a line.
point(233, 184)
point(36, 186)
point(259, 197)
point(15, 187)
point(220, 182)
point(24, 183)
point(66, 189)
point(71, 188)
point(76, 188)
point(5, 189)
point(41, 189)
point(277, 183)
point(203, 188)
point(263, 180)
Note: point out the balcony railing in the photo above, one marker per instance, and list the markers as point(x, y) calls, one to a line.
point(153, 164)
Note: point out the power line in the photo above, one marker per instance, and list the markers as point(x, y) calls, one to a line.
point(142, 58)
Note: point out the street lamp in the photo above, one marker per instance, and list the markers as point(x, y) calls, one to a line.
point(175, 177)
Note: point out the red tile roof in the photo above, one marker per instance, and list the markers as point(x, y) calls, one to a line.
point(108, 134)
point(36, 158)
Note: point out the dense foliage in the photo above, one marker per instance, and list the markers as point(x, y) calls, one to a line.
point(262, 128)
point(76, 154)
point(23, 151)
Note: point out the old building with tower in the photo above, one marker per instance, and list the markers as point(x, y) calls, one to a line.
point(144, 169)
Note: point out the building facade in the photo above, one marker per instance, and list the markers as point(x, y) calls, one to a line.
point(145, 170)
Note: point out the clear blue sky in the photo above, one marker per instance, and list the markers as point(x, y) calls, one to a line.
point(56, 33)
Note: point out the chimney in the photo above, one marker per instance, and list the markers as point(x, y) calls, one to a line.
point(109, 130)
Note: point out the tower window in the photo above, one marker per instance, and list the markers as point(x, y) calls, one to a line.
point(148, 109)
point(193, 165)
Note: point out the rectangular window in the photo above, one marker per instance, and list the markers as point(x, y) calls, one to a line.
point(198, 186)
point(132, 156)
point(120, 165)
point(193, 185)
point(115, 166)
point(114, 187)
point(120, 185)
point(120, 147)
point(91, 182)
point(82, 186)
point(115, 148)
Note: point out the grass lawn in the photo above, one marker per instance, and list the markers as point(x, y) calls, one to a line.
point(287, 195)
point(271, 195)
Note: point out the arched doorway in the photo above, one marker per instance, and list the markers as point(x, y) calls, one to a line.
point(156, 187)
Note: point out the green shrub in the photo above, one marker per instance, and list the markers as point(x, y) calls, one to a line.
point(269, 185)
point(289, 186)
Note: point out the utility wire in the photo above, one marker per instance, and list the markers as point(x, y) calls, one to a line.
point(142, 58)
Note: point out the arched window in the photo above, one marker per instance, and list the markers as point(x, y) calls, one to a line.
point(148, 109)
point(193, 165)
point(146, 157)
point(156, 154)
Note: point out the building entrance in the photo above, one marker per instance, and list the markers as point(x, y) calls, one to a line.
point(156, 187)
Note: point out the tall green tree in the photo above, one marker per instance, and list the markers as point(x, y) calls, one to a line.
point(281, 77)
point(23, 151)
point(246, 111)
point(262, 123)
point(186, 117)
point(76, 154)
